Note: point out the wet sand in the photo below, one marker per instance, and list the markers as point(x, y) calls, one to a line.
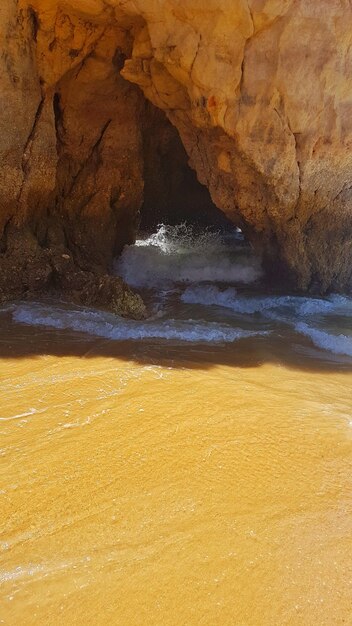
point(153, 484)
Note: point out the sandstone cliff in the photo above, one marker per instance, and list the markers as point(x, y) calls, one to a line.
point(260, 92)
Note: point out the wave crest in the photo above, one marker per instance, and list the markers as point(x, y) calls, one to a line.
point(177, 254)
point(109, 326)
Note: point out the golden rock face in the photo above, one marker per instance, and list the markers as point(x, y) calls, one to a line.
point(259, 92)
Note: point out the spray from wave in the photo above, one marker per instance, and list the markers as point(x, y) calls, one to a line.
point(177, 254)
point(201, 290)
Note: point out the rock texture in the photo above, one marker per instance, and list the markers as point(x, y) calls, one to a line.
point(260, 92)
point(71, 175)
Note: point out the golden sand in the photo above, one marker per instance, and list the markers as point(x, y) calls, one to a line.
point(202, 491)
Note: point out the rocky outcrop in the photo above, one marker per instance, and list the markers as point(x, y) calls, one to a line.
point(70, 138)
point(31, 270)
point(260, 94)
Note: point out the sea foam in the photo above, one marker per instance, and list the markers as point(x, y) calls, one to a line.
point(338, 344)
point(182, 267)
point(176, 254)
point(109, 326)
point(211, 295)
point(311, 317)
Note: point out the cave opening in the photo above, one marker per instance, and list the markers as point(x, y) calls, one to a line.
point(172, 192)
point(183, 240)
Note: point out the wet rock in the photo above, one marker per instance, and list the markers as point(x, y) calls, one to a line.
point(29, 271)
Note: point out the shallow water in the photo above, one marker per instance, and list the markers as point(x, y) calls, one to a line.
point(194, 468)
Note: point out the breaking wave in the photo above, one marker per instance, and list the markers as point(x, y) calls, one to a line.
point(319, 319)
point(200, 288)
point(212, 295)
point(338, 344)
point(177, 254)
point(109, 326)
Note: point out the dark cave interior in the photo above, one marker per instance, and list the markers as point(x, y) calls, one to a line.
point(172, 192)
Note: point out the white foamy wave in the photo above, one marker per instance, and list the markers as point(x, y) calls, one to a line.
point(335, 304)
point(211, 295)
point(229, 299)
point(178, 255)
point(109, 326)
point(338, 344)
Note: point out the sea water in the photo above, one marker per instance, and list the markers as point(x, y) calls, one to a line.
point(192, 468)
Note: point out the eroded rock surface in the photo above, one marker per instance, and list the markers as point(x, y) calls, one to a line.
point(71, 144)
point(259, 91)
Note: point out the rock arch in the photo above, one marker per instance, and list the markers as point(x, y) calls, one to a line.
point(259, 91)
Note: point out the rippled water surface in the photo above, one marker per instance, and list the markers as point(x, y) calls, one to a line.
point(194, 468)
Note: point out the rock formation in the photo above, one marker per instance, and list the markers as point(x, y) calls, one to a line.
point(260, 92)
point(71, 176)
